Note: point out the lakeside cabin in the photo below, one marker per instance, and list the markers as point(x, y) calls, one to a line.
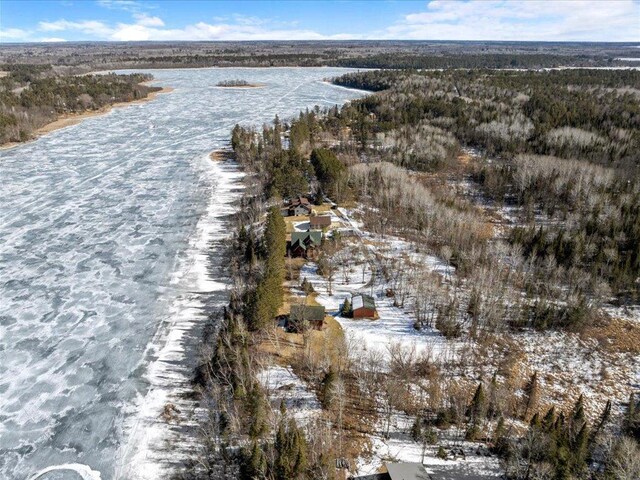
point(319, 222)
point(304, 244)
point(297, 206)
point(312, 315)
point(363, 306)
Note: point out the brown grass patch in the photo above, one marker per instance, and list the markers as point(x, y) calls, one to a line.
point(615, 336)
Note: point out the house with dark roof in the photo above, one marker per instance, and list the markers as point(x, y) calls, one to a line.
point(304, 244)
point(363, 306)
point(319, 222)
point(399, 471)
point(302, 316)
point(298, 206)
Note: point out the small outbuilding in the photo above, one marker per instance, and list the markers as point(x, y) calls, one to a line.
point(302, 315)
point(363, 306)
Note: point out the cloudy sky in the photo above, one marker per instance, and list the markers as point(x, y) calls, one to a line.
point(132, 20)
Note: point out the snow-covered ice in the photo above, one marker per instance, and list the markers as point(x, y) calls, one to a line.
point(104, 232)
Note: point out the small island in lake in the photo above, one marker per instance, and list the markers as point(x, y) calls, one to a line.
point(238, 83)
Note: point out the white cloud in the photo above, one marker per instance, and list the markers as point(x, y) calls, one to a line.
point(51, 40)
point(126, 5)
point(8, 34)
point(146, 28)
point(545, 20)
point(147, 21)
point(92, 28)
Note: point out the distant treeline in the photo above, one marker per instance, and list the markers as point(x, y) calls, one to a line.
point(355, 54)
point(32, 96)
point(502, 60)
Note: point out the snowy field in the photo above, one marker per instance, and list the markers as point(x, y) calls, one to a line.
point(105, 276)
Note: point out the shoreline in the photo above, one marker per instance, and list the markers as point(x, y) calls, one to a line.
point(201, 290)
point(70, 119)
point(221, 155)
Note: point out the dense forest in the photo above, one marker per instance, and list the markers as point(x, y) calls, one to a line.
point(33, 95)
point(86, 56)
point(561, 147)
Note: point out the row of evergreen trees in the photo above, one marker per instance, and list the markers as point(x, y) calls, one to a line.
point(267, 298)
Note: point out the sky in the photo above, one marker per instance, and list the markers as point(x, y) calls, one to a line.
point(133, 20)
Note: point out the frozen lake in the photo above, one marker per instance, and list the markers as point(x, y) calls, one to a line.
point(103, 227)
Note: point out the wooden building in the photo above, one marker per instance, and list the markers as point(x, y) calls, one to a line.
point(304, 244)
point(363, 306)
point(319, 222)
point(297, 206)
point(302, 316)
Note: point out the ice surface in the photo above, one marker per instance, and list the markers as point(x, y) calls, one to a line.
point(102, 240)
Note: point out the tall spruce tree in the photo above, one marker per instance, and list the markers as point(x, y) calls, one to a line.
point(291, 451)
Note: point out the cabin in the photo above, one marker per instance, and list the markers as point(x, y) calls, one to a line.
point(363, 306)
point(319, 222)
point(297, 206)
point(304, 244)
point(399, 471)
point(301, 315)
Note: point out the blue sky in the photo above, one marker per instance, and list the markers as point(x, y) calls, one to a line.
point(131, 20)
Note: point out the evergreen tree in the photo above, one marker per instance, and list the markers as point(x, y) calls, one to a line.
point(256, 412)
point(604, 419)
point(290, 451)
point(345, 310)
point(478, 405)
point(254, 465)
point(268, 296)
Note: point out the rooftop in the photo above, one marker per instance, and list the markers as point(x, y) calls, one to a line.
point(362, 300)
point(309, 313)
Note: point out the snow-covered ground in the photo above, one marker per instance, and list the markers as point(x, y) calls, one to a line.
point(400, 447)
point(101, 270)
point(569, 366)
point(281, 384)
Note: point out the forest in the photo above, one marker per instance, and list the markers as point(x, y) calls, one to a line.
point(33, 95)
point(540, 228)
point(86, 56)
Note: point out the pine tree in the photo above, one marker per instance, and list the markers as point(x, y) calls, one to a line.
point(328, 386)
point(256, 413)
point(477, 408)
point(476, 412)
point(269, 294)
point(580, 449)
point(254, 466)
point(604, 419)
point(535, 421)
point(577, 415)
point(549, 419)
point(345, 310)
point(291, 451)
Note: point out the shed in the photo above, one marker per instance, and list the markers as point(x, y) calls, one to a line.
point(319, 222)
point(363, 306)
point(312, 314)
